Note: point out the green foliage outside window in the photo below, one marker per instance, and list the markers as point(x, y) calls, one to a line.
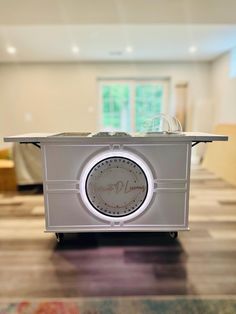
point(116, 105)
point(148, 99)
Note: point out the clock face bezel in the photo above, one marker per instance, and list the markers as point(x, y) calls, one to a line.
point(116, 154)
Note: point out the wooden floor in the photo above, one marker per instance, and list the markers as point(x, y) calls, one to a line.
point(200, 262)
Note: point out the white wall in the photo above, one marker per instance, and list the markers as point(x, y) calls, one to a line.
point(64, 97)
point(223, 90)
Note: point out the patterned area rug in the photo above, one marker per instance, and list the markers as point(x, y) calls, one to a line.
point(126, 305)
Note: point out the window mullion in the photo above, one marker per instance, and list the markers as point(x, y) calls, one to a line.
point(132, 105)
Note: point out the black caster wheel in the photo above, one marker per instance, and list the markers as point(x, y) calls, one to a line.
point(59, 237)
point(173, 235)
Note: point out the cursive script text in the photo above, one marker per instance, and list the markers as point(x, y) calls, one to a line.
point(119, 187)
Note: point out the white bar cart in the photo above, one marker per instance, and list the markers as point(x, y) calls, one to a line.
point(116, 181)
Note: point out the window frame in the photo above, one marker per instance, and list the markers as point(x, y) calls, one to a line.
point(132, 82)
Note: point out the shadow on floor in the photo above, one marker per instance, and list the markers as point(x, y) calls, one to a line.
point(114, 264)
point(82, 241)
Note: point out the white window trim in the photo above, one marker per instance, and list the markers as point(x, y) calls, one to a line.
point(132, 82)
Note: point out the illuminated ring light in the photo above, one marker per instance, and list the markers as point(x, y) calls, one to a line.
point(103, 200)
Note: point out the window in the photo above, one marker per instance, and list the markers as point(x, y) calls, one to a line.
point(127, 105)
point(233, 63)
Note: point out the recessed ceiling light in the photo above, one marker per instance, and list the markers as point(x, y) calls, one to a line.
point(129, 49)
point(75, 49)
point(192, 49)
point(11, 50)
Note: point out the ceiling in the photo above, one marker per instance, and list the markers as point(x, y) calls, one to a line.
point(156, 30)
point(56, 12)
point(109, 42)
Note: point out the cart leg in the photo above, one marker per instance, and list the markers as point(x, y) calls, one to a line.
point(173, 234)
point(59, 237)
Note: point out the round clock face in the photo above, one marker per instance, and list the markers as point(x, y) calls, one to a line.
point(116, 186)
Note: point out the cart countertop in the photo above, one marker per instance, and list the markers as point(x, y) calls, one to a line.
point(92, 138)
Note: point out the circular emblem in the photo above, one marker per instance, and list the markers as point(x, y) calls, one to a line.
point(116, 185)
